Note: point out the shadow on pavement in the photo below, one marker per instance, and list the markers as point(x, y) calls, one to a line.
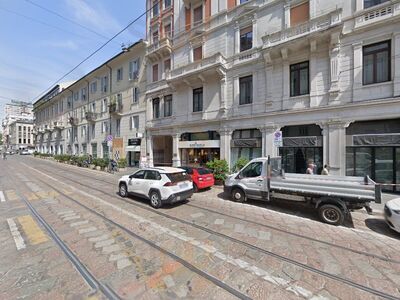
point(380, 226)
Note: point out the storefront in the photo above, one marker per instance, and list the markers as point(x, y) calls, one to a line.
point(246, 144)
point(301, 145)
point(373, 149)
point(133, 152)
point(199, 148)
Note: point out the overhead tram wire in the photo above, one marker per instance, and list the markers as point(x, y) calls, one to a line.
point(97, 50)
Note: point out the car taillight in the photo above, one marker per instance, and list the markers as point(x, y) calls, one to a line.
point(170, 184)
point(200, 179)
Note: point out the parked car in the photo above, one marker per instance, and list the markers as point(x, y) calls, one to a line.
point(24, 152)
point(160, 185)
point(202, 178)
point(392, 214)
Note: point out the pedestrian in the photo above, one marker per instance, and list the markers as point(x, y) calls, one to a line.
point(310, 169)
point(4, 155)
point(325, 170)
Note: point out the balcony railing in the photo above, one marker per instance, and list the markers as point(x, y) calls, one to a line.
point(90, 116)
point(73, 121)
point(58, 124)
point(162, 47)
point(317, 24)
point(115, 108)
point(377, 13)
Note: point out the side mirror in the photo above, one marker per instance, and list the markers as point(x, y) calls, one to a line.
point(239, 176)
point(131, 176)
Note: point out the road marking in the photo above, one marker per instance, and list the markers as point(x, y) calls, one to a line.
point(158, 229)
point(19, 241)
point(11, 195)
point(2, 198)
point(32, 230)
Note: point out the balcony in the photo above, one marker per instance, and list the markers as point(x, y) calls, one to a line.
point(159, 49)
point(58, 125)
point(213, 64)
point(90, 116)
point(318, 24)
point(376, 14)
point(73, 121)
point(48, 128)
point(115, 108)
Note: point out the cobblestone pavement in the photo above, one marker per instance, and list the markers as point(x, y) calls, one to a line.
point(207, 248)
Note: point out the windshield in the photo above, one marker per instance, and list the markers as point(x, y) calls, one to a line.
point(203, 171)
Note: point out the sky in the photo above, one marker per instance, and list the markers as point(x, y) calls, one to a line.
point(38, 47)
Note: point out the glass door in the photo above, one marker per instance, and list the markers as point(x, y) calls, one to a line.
point(398, 169)
point(384, 163)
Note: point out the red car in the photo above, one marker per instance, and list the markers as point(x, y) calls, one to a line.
point(202, 177)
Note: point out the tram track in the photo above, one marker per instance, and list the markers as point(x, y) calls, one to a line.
point(226, 237)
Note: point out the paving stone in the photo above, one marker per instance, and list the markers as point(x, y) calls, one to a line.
point(87, 229)
point(93, 233)
point(123, 263)
point(219, 221)
point(169, 281)
point(263, 235)
point(104, 243)
point(75, 224)
point(118, 256)
point(239, 228)
point(71, 218)
point(111, 249)
point(197, 215)
point(99, 238)
point(65, 212)
point(181, 291)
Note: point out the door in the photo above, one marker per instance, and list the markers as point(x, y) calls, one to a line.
point(150, 181)
point(135, 184)
point(398, 169)
point(252, 180)
point(384, 166)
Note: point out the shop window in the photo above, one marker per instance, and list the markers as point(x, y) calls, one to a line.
point(246, 90)
point(168, 106)
point(155, 72)
point(299, 79)
point(370, 3)
point(198, 99)
point(156, 108)
point(376, 63)
point(198, 53)
point(198, 15)
point(299, 14)
point(246, 38)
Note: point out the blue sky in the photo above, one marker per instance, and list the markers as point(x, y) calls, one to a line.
point(37, 47)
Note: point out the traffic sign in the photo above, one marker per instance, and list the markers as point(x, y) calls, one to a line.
point(109, 138)
point(278, 139)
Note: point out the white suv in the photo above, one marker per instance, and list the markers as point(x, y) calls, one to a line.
point(161, 185)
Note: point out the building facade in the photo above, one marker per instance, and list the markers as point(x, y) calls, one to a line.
point(224, 76)
point(107, 103)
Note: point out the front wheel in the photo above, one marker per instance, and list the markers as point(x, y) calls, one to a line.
point(155, 199)
point(331, 214)
point(123, 191)
point(238, 195)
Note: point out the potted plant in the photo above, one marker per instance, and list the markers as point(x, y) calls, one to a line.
point(122, 163)
point(220, 169)
point(240, 163)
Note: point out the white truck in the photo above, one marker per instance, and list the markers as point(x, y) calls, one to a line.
point(333, 196)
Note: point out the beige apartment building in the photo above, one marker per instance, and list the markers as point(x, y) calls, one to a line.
point(107, 102)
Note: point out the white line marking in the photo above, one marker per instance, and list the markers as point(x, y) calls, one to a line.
point(158, 229)
point(2, 198)
point(19, 241)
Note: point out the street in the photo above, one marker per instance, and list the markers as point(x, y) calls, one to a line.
point(66, 233)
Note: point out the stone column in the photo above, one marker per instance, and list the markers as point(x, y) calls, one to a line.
point(286, 19)
point(176, 157)
point(149, 150)
point(268, 147)
point(396, 65)
point(225, 144)
point(313, 74)
point(237, 38)
point(357, 70)
point(254, 26)
point(222, 96)
point(334, 145)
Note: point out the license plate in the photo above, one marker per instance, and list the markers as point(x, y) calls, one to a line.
point(183, 185)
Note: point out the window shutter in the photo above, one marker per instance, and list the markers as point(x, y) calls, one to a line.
point(231, 4)
point(299, 14)
point(188, 17)
point(198, 53)
point(207, 4)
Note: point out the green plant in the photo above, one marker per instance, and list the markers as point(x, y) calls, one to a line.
point(219, 167)
point(240, 163)
point(122, 163)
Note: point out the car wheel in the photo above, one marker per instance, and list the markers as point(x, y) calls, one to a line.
point(331, 214)
point(155, 199)
point(195, 188)
point(238, 195)
point(123, 191)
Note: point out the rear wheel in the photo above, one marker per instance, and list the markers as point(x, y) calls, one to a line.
point(123, 191)
point(238, 195)
point(155, 199)
point(331, 214)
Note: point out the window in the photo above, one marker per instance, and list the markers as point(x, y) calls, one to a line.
point(83, 131)
point(243, 1)
point(83, 94)
point(299, 79)
point(246, 38)
point(135, 122)
point(167, 30)
point(299, 14)
point(94, 150)
point(167, 3)
point(155, 37)
point(155, 8)
point(104, 106)
point(252, 170)
point(104, 127)
point(93, 129)
point(93, 87)
point(76, 97)
point(135, 95)
point(198, 15)
point(168, 106)
point(156, 108)
point(69, 102)
point(138, 174)
point(119, 74)
point(155, 72)
point(167, 64)
point(133, 69)
point(118, 127)
point(104, 84)
point(152, 175)
point(370, 3)
point(198, 53)
point(246, 90)
point(92, 107)
point(198, 99)
point(376, 63)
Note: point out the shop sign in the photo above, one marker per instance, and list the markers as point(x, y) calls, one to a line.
point(278, 140)
point(199, 144)
point(246, 143)
point(134, 142)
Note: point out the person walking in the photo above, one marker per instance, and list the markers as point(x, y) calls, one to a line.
point(325, 170)
point(4, 155)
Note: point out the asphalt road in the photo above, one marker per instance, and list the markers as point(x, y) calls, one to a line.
point(65, 233)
